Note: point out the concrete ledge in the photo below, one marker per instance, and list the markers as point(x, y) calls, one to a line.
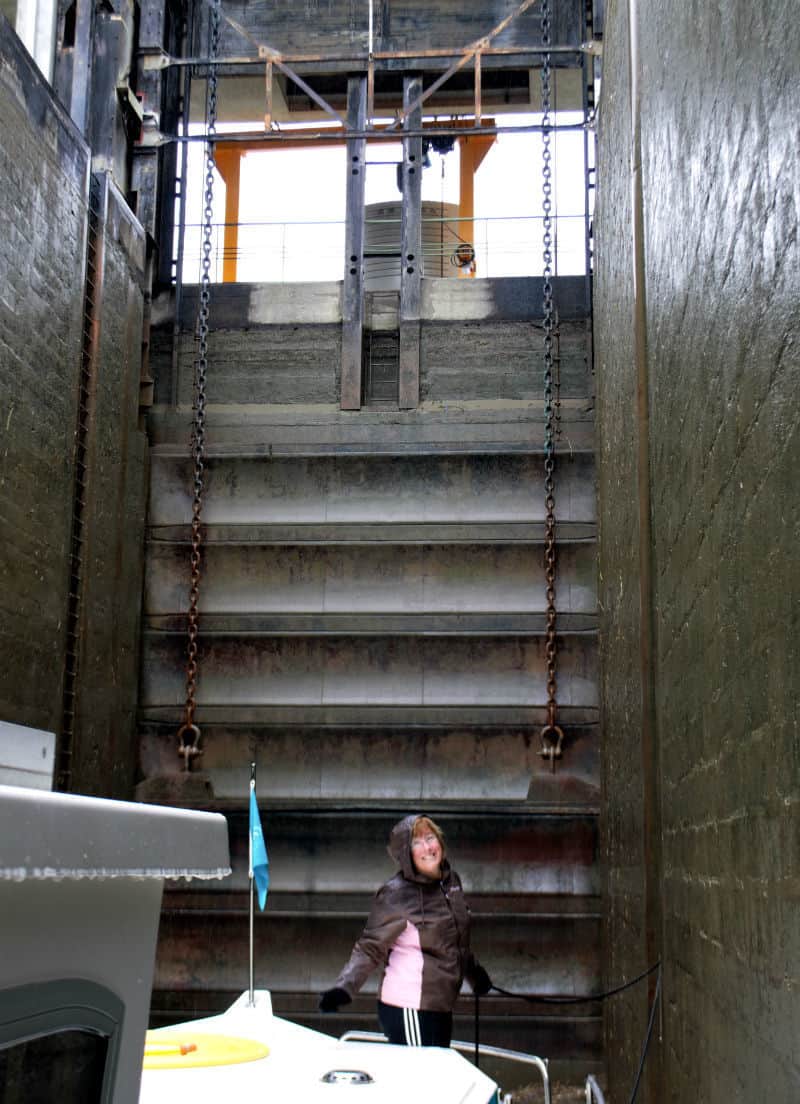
point(366, 490)
point(373, 624)
point(451, 587)
point(365, 533)
point(369, 768)
point(506, 299)
point(509, 299)
point(302, 429)
point(396, 672)
point(253, 306)
point(547, 955)
point(327, 904)
point(531, 716)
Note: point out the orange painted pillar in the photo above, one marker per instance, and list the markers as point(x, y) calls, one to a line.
point(472, 152)
point(466, 204)
point(229, 163)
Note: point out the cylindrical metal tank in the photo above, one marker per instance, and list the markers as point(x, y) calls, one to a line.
point(440, 238)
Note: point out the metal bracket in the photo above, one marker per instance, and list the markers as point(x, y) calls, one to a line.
point(150, 136)
point(132, 110)
point(155, 59)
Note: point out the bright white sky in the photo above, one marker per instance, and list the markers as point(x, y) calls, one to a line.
point(292, 205)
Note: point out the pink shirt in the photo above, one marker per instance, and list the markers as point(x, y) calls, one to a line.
point(402, 981)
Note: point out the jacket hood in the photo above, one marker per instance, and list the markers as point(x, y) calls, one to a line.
point(400, 849)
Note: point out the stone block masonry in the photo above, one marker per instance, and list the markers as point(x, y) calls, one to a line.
point(44, 166)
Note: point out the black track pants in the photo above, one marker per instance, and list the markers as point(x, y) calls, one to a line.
point(408, 1027)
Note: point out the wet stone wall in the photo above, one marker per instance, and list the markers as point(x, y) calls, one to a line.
point(104, 753)
point(721, 199)
point(622, 809)
point(44, 211)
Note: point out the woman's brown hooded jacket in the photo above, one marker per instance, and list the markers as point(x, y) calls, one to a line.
point(437, 910)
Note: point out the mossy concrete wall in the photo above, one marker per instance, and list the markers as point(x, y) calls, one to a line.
point(706, 808)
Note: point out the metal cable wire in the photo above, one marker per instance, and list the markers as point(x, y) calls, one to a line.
point(590, 999)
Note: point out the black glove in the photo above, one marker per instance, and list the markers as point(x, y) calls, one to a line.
point(332, 999)
point(480, 981)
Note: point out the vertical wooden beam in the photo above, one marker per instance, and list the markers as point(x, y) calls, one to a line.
point(411, 248)
point(370, 88)
point(353, 288)
point(478, 89)
point(268, 107)
point(229, 164)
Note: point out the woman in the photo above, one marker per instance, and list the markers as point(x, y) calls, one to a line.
point(418, 935)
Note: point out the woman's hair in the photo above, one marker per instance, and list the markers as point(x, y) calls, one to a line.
point(423, 825)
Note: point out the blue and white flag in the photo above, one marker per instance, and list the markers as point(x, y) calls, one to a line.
point(259, 863)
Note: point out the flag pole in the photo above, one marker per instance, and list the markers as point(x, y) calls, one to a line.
point(251, 1000)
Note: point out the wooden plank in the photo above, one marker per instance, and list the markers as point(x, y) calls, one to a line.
point(411, 250)
point(353, 288)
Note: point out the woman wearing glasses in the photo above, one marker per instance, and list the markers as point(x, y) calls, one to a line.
point(418, 935)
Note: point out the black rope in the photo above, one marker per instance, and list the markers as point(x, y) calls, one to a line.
point(656, 967)
point(581, 1000)
point(650, 1023)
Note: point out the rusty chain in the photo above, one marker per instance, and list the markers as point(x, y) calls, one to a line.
point(551, 735)
point(189, 732)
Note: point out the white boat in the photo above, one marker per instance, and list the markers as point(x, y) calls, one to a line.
point(247, 1053)
point(80, 890)
point(80, 893)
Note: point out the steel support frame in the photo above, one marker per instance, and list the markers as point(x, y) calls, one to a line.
point(159, 59)
point(145, 160)
point(73, 66)
point(158, 175)
point(474, 52)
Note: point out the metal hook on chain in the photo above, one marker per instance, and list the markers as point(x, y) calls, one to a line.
point(551, 735)
point(189, 751)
